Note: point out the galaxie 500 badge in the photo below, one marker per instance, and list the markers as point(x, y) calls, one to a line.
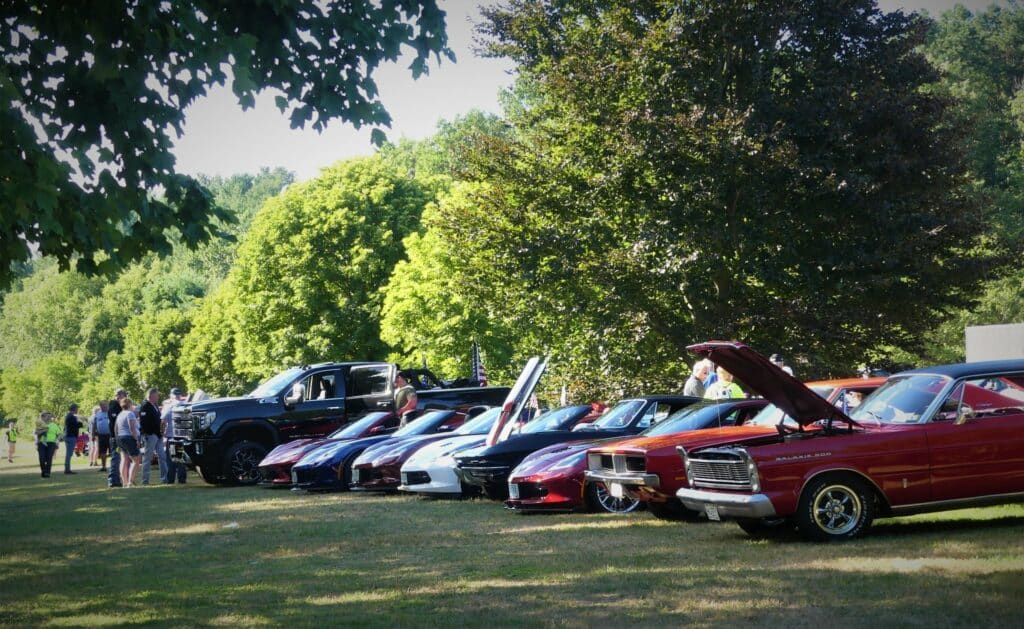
point(796, 457)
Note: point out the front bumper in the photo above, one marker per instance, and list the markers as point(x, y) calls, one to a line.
point(634, 479)
point(483, 475)
point(753, 506)
point(443, 480)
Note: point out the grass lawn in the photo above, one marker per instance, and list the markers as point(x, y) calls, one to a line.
point(74, 553)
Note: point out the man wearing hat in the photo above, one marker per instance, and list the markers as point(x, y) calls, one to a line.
point(780, 362)
point(175, 469)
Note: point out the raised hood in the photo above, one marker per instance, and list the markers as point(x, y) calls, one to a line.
point(517, 399)
point(759, 375)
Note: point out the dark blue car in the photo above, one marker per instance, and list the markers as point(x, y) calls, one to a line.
point(330, 466)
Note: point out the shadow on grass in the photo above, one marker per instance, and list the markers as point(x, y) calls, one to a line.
point(76, 554)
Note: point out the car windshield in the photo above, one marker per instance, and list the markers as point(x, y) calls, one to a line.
point(619, 415)
point(423, 424)
point(357, 427)
point(772, 415)
point(276, 384)
point(693, 417)
point(901, 400)
point(481, 424)
point(552, 420)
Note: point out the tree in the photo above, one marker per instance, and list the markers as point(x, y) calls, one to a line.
point(428, 314)
point(90, 94)
point(721, 169)
point(51, 384)
point(207, 358)
point(43, 315)
point(306, 285)
point(152, 346)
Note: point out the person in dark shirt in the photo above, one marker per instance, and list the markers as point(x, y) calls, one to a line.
point(113, 408)
point(71, 427)
point(149, 426)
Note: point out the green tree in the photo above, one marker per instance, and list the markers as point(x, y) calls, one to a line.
point(719, 169)
point(427, 313)
point(152, 346)
point(90, 94)
point(307, 282)
point(50, 384)
point(43, 315)
point(208, 351)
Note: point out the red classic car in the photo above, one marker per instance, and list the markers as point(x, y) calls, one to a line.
point(649, 469)
point(930, 439)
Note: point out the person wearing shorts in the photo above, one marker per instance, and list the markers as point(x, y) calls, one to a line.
point(128, 441)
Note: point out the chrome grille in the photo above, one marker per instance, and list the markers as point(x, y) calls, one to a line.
point(720, 469)
point(182, 419)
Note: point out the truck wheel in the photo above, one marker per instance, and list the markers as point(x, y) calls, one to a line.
point(835, 508)
point(242, 462)
point(601, 500)
point(671, 509)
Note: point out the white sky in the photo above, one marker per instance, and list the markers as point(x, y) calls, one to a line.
point(221, 139)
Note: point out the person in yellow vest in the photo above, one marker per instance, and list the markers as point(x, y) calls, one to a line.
point(12, 440)
point(48, 434)
point(724, 387)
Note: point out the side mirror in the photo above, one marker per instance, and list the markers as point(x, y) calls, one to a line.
point(376, 430)
point(296, 396)
point(966, 414)
point(445, 428)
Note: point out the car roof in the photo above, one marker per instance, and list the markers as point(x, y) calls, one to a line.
point(848, 382)
point(662, 398)
point(961, 370)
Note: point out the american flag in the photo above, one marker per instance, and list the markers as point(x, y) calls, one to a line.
point(478, 371)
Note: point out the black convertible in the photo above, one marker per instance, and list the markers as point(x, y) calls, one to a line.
point(488, 466)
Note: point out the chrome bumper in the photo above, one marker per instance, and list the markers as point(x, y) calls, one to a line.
point(624, 478)
point(728, 505)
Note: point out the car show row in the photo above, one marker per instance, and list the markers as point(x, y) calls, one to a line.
point(825, 458)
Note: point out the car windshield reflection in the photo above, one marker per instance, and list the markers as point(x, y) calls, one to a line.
point(901, 400)
point(772, 415)
point(620, 415)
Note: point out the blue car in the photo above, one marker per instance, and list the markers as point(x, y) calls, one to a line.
point(329, 467)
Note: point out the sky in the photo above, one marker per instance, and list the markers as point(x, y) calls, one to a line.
point(220, 139)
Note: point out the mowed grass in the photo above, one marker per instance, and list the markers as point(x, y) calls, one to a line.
point(75, 553)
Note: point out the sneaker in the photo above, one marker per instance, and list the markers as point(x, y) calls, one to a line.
point(69, 472)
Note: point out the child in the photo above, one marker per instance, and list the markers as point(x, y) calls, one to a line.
point(12, 440)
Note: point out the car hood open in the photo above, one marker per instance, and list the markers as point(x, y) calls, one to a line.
point(759, 375)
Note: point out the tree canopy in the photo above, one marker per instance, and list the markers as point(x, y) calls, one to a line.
point(91, 93)
point(773, 173)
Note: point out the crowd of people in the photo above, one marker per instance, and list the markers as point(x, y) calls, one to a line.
point(132, 436)
point(715, 383)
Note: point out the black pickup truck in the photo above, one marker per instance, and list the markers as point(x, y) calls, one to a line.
point(226, 438)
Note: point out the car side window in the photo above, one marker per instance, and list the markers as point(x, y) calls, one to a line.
point(369, 380)
point(978, 398)
point(324, 385)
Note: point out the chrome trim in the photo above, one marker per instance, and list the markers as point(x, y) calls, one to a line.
point(859, 474)
point(742, 459)
point(624, 478)
point(729, 505)
point(958, 503)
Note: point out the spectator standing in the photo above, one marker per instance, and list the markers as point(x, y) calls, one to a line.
point(695, 383)
point(780, 362)
point(149, 425)
point(47, 437)
point(102, 425)
point(12, 440)
point(405, 398)
point(128, 441)
point(175, 469)
point(71, 428)
point(724, 388)
point(113, 410)
point(91, 427)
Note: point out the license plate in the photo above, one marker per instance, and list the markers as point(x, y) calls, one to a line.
point(405, 478)
point(513, 491)
point(173, 449)
point(616, 490)
point(295, 477)
point(712, 513)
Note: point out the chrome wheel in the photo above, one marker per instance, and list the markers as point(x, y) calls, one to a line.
point(243, 462)
point(603, 500)
point(837, 509)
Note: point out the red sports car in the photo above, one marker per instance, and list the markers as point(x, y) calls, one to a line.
point(648, 468)
point(552, 479)
point(276, 467)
